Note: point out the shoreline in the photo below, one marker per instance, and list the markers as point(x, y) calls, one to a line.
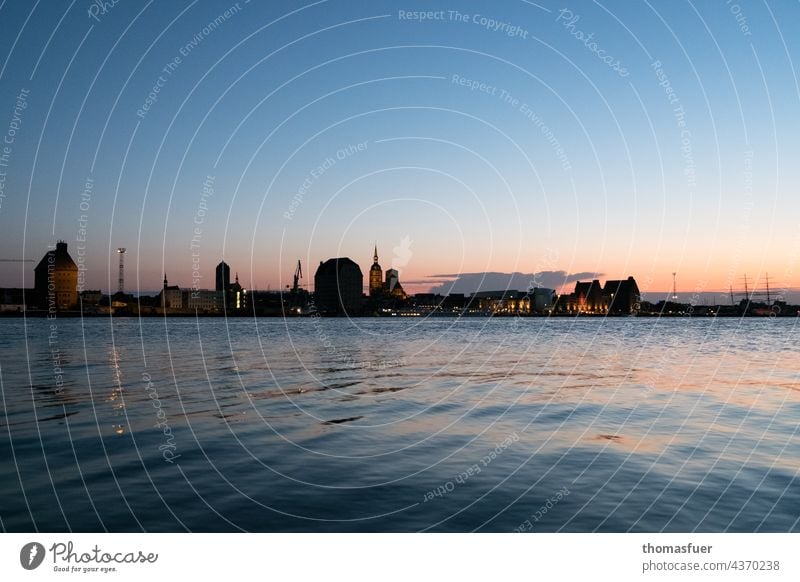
point(43, 314)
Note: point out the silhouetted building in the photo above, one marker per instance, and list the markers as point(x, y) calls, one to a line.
point(375, 277)
point(507, 301)
point(265, 303)
point(429, 300)
point(203, 299)
point(14, 298)
point(586, 298)
point(455, 302)
point(623, 296)
point(223, 276)
point(338, 286)
point(617, 297)
point(387, 289)
point(171, 296)
point(392, 278)
point(542, 299)
point(56, 279)
point(91, 297)
point(237, 295)
point(392, 286)
point(230, 295)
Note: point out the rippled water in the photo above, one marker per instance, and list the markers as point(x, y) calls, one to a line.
point(626, 424)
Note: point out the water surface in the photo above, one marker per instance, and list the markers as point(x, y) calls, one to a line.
point(625, 424)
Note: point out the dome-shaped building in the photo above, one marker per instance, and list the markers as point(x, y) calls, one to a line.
point(338, 286)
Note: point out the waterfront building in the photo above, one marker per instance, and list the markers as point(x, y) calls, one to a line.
point(265, 302)
point(542, 300)
point(454, 302)
point(237, 295)
point(586, 298)
point(231, 295)
point(338, 286)
point(203, 299)
point(14, 298)
point(623, 296)
point(223, 276)
point(506, 301)
point(392, 278)
point(617, 297)
point(392, 286)
point(428, 301)
point(91, 297)
point(56, 279)
point(171, 296)
point(375, 277)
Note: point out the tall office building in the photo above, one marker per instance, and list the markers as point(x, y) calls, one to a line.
point(223, 276)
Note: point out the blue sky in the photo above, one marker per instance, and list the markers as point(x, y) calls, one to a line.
point(554, 161)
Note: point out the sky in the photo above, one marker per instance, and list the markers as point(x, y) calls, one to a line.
point(582, 138)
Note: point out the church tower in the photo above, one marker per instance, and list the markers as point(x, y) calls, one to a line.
point(375, 276)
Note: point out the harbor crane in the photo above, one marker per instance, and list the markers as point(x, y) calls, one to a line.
point(295, 291)
point(298, 274)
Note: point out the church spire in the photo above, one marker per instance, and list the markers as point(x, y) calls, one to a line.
point(375, 276)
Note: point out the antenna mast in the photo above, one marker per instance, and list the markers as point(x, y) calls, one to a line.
point(768, 301)
point(121, 253)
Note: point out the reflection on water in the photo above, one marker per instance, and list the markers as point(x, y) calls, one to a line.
point(376, 425)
